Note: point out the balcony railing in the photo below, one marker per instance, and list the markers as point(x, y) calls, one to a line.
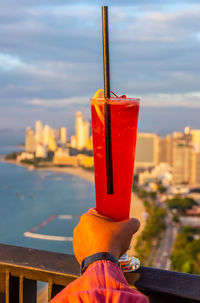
point(21, 268)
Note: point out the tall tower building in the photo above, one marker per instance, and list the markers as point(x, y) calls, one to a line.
point(82, 131)
point(169, 150)
point(73, 142)
point(147, 150)
point(195, 168)
point(47, 134)
point(39, 132)
point(195, 134)
point(181, 159)
point(63, 135)
point(30, 140)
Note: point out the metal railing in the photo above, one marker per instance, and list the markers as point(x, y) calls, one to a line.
point(21, 268)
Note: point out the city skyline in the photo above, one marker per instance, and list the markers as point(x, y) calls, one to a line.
point(156, 120)
point(154, 55)
point(175, 157)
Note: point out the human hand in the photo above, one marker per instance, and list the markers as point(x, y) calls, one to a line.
point(95, 233)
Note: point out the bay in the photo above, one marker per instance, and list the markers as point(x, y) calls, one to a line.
point(28, 198)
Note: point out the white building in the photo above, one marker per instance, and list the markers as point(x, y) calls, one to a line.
point(63, 135)
point(73, 142)
point(30, 140)
point(38, 132)
point(25, 156)
point(47, 134)
point(82, 131)
point(161, 173)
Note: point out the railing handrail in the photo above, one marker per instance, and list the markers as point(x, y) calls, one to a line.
point(61, 269)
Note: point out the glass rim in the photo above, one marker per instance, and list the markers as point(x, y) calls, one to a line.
point(114, 100)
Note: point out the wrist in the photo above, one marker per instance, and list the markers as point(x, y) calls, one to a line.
point(97, 257)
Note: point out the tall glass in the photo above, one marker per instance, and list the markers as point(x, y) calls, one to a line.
point(124, 121)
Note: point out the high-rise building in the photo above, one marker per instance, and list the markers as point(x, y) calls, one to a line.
point(47, 134)
point(30, 140)
point(73, 142)
point(63, 135)
point(52, 145)
point(195, 168)
point(180, 150)
point(55, 133)
point(181, 161)
point(39, 132)
point(82, 131)
point(169, 149)
point(166, 149)
point(195, 137)
point(147, 150)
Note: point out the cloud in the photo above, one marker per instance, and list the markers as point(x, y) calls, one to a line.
point(58, 103)
point(191, 100)
point(8, 62)
point(51, 53)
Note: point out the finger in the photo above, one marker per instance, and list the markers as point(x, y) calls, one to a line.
point(131, 225)
point(94, 212)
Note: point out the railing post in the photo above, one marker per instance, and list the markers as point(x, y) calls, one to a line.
point(27, 290)
point(3, 287)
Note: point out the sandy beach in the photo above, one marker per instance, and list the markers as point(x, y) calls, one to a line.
point(76, 171)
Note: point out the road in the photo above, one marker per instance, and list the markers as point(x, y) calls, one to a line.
point(162, 259)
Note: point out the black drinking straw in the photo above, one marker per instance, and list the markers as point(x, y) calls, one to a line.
point(108, 142)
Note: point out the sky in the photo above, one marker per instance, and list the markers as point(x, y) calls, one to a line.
point(51, 60)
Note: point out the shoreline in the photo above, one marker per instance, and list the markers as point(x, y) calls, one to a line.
point(137, 209)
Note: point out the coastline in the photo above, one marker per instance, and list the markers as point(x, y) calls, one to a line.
point(137, 209)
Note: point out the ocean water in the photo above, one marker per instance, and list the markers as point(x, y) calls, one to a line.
point(28, 198)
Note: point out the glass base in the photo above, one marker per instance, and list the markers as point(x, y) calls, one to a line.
point(128, 263)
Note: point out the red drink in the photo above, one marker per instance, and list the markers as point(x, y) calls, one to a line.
point(124, 121)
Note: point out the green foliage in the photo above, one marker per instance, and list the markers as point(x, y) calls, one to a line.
point(186, 251)
point(38, 162)
point(162, 189)
point(75, 152)
point(152, 195)
point(176, 219)
point(88, 168)
point(12, 156)
point(63, 165)
point(151, 234)
point(143, 194)
point(181, 204)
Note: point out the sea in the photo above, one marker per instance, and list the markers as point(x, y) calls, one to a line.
point(42, 202)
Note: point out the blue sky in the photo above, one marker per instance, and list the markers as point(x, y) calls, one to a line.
point(51, 56)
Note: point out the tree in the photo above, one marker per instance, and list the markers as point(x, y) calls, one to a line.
point(181, 204)
point(186, 251)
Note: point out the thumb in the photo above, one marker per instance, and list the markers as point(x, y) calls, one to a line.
point(131, 226)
